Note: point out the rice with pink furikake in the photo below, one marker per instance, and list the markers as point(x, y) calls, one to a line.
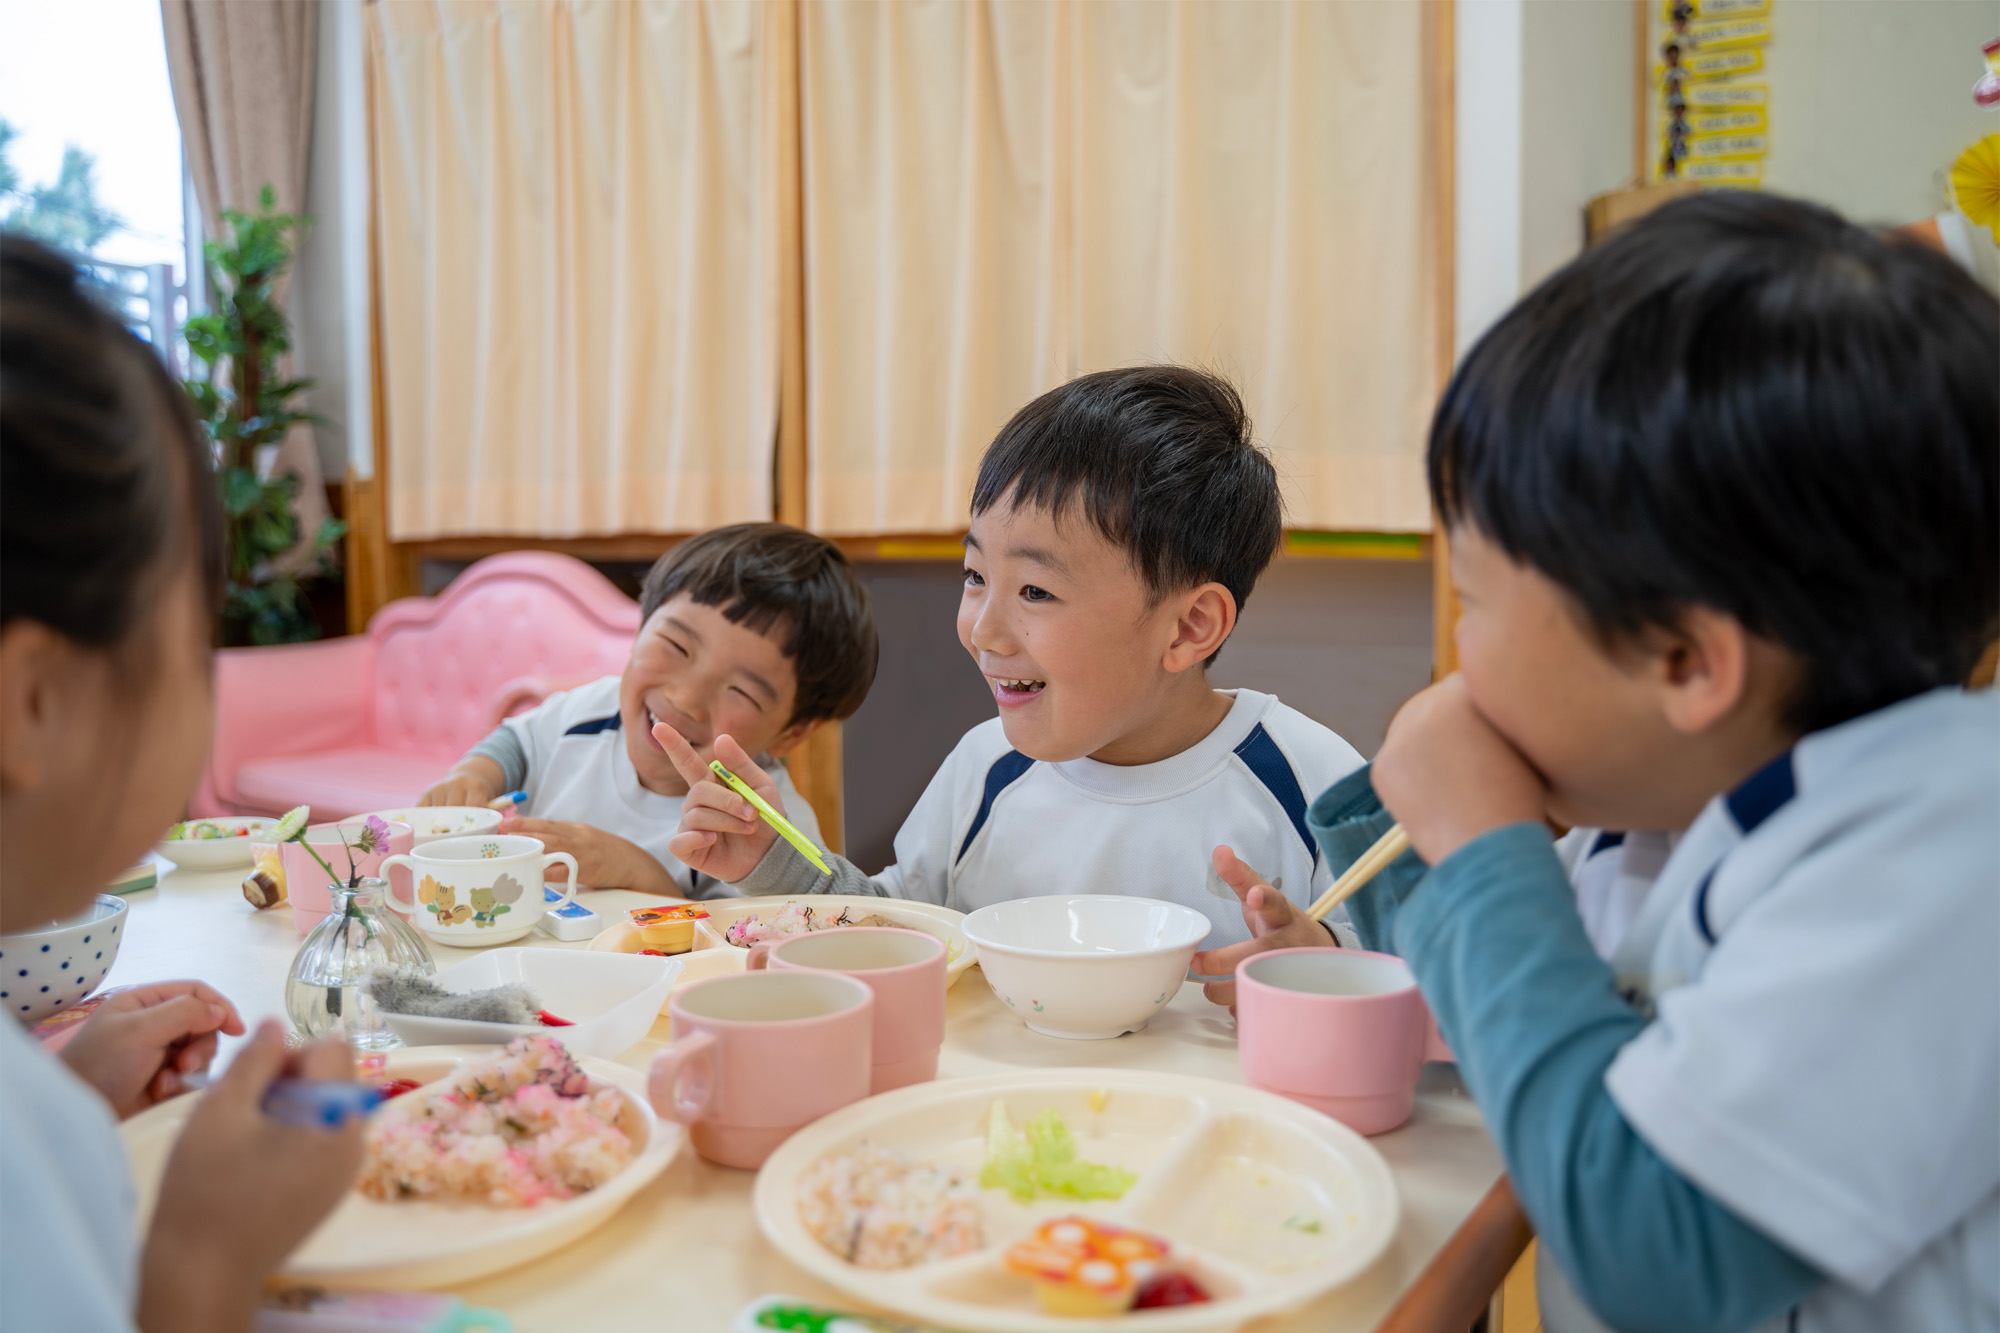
point(513, 1129)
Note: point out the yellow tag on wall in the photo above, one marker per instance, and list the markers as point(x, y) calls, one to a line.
point(1708, 96)
point(1734, 33)
point(1749, 120)
point(1724, 173)
point(1725, 147)
point(1715, 9)
point(1722, 64)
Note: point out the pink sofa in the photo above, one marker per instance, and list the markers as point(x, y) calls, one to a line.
point(369, 721)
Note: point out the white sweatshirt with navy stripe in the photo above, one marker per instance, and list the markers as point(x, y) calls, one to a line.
point(995, 825)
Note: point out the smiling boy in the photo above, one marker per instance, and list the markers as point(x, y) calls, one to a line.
point(1119, 523)
point(1724, 506)
point(758, 631)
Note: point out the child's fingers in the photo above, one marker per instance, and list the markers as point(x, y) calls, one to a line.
point(162, 1024)
point(1237, 873)
point(194, 1056)
point(691, 849)
point(259, 1061)
point(737, 761)
point(327, 1059)
point(714, 796)
point(704, 819)
point(681, 755)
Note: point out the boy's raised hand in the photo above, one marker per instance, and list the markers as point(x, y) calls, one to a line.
point(1448, 775)
point(1273, 921)
point(721, 834)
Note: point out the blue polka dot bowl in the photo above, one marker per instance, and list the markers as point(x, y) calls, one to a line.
point(44, 972)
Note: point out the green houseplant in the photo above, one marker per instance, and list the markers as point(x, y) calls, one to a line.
point(246, 408)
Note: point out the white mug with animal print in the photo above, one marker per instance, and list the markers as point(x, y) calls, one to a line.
point(478, 890)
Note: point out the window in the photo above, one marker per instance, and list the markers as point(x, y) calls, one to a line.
point(90, 151)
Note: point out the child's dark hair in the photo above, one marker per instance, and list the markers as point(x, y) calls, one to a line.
point(1161, 461)
point(771, 575)
point(105, 484)
point(1746, 403)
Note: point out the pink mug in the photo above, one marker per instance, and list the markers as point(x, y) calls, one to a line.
point(905, 969)
point(1344, 1031)
point(757, 1056)
point(306, 881)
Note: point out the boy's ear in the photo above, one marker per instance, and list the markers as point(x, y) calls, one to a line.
point(792, 737)
point(1205, 616)
point(1705, 667)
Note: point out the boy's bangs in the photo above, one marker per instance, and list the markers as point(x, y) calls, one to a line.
point(1159, 460)
point(769, 577)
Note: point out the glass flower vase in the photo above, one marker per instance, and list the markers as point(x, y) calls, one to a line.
point(323, 993)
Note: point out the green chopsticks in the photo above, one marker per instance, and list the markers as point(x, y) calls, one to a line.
point(771, 817)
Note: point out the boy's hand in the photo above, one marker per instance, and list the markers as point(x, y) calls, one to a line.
point(138, 1045)
point(721, 834)
point(474, 782)
point(241, 1190)
point(1274, 924)
point(1448, 776)
point(603, 860)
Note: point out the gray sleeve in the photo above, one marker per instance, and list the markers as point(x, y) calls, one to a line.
point(504, 748)
point(783, 870)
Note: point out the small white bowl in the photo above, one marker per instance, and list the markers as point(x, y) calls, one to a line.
point(610, 999)
point(46, 971)
point(1085, 967)
point(216, 853)
point(432, 822)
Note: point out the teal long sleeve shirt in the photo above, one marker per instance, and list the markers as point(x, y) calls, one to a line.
point(1534, 1017)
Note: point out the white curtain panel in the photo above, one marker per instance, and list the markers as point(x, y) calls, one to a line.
point(1002, 195)
point(578, 264)
point(242, 76)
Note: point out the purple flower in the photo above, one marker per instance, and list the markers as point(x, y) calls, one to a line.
point(374, 836)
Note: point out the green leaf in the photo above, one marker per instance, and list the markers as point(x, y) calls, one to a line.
point(241, 491)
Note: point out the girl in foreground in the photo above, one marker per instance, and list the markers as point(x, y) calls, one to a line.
point(110, 576)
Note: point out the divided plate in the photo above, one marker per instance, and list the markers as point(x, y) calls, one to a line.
point(943, 922)
point(1268, 1203)
point(424, 1243)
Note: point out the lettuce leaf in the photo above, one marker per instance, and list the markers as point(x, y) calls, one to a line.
point(1041, 1160)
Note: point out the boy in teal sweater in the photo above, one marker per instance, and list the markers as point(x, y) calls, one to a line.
point(1724, 507)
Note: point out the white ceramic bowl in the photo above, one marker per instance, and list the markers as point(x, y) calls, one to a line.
point(612, 999)
point(1094, 965)
point(216, 853)
point(46, 971)
point(431, 822)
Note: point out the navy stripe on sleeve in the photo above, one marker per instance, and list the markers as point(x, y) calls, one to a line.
point(1267, 763)
point(594, 726)
point(1006, 771)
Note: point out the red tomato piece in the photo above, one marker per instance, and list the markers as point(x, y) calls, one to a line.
point(1170, 1288)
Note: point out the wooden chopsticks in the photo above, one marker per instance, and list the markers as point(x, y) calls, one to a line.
point(1371, 863)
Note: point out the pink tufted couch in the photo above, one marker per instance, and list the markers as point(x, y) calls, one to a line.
point(369, 721)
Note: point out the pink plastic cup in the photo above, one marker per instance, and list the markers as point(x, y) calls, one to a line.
point(756, 1056)
point(305, 881)
point(905, 969)
point(1343, 1031)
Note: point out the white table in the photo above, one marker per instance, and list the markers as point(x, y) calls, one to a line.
point(686, 1252)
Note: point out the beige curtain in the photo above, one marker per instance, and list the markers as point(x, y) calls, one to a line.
point(999, 196)
point(577, 264)
point(242, 75)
